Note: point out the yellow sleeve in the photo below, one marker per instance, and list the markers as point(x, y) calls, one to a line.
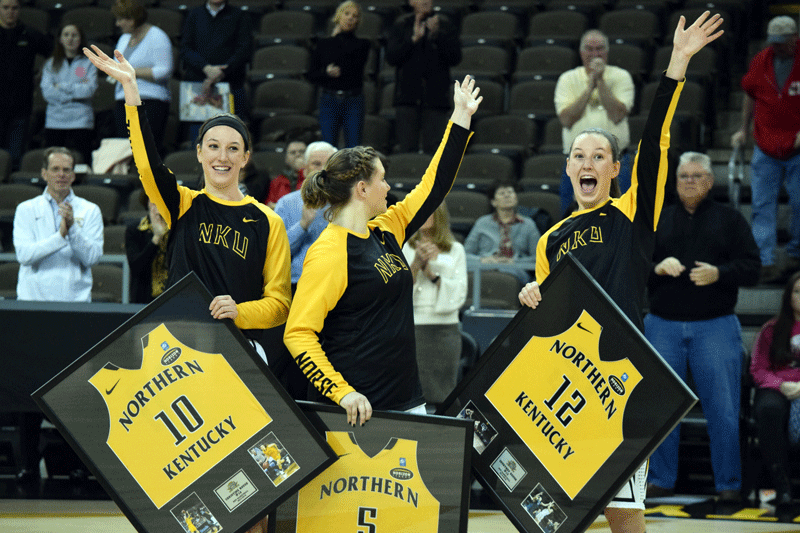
point(160, 185)
point(273, 307)
point(321, 285)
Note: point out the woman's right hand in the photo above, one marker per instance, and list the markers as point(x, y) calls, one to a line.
point(791, 389)
point(530, 295)
point(356, 404)
point(120, 70)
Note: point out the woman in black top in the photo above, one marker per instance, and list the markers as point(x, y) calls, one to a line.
point(337, 66)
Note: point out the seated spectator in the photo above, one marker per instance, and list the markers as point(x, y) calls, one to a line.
point(149, 50)
point(253, 180)
point(146, 248)
point(337, 66)
point(69, 81)
point(504, 236)
point(292, 177)
point(775, 367)
point(439, 267)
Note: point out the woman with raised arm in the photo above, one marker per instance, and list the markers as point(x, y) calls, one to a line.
point(351, 329)
point(237, 246)
point(620, 260)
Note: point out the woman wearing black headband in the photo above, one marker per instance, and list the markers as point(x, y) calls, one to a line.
point(237, 246)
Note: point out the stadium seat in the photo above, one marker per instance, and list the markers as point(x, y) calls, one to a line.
point(5, 165)
point(35, 18)
point(495, 28)
point(543, 172)
point(114, 239)
point(285, 27)
point(632, 58)
point(631, 26)
point(13, 194)
point(280, 128)
point(9, 273)
point(479, 170)
point(465, 208)
point(563, 28)
point(283, 96)
point(279, 61)
point(546, 200)
point(533, 99)
point(378, 133)
point(552, 140)
point(97, 23)
point(511, 135)
point(544, 62)
point(484, 62)
point(107, 283)
point(106, 198)
point(169, 20)
point(499, 290)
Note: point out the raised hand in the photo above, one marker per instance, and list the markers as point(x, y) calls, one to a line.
point(120, 70)
point(465, 95)
point(691, 40)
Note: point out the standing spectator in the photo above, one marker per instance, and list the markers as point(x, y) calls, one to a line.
point(771, 108)
point(19, 45)
point(216, 46)
point(292, 177)
point(304, 224)
point(504, 236)
point(595, 95)
point(69, 81)
point(439, 266)
point(423, 46)
point(620, 261)
point(775, 368)
point(58, 237)
point(337, 66)
point(149, 50)
point(704, 252)
point(146, 248)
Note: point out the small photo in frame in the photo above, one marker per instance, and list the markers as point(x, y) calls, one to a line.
point(544, 511)
point(193, 516)
point(484, 431)
point(273, 459)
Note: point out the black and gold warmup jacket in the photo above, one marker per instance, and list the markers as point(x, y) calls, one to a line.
point(615, 241)
point(351, 326)
point(236, 248)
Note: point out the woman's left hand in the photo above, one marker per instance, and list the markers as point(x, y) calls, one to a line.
point(465, 95)
point(223, 306)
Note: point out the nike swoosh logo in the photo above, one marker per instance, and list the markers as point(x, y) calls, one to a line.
point(248, 220)
point(583, 328)
point(109, 391)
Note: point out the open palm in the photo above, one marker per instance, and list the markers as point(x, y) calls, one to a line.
point(119, 69)
point(696, 36)
point(465, 95)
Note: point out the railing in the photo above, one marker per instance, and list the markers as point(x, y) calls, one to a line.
point(114, 259)
point(475, 266)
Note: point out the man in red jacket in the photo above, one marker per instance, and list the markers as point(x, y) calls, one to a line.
point(771, 108)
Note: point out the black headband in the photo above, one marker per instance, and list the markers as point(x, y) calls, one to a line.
point(224, 120)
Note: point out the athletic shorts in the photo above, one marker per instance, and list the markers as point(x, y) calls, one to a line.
point(631, 495)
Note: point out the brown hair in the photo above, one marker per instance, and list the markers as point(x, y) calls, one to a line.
point(130, 9)
point(334, 184)
point(56, 150)
point(613, 142)
point(58, 50)
point(442, 235)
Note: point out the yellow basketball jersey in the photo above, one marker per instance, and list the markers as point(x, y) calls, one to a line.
point(377, 494)
point(565, 403)
point(177, 416)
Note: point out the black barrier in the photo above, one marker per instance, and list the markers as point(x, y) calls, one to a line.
point(182, 422)
point(567, 403)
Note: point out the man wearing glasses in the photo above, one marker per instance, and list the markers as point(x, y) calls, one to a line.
point(704, 251)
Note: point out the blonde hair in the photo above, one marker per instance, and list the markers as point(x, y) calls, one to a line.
point(340, 11)
point(442, 235)
point(334, 184)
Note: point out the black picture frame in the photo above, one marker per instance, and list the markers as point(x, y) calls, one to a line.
point(538, 360)
point(233, 493)
point(443, 459)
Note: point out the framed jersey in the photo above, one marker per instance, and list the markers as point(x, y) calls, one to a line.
point(567, 403)
point(181, 421)
point(397, 473)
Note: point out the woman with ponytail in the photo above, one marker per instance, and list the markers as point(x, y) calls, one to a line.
point(351, 329)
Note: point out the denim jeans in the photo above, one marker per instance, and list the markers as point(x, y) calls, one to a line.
point(712, 350)
point(624, 180)
point(765, 183)
point(341, 113)
point(13, 132)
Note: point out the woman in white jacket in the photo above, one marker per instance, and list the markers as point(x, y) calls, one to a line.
point(439, 266)
point(69, 81)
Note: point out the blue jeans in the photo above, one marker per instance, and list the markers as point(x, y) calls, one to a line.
point(13, 131)
point(765, 184)
point(341, 112)
point(624, 180)
point(712, 350)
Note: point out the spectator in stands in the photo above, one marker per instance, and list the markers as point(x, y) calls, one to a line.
point(253, 180)
point(504, 236)
point(439, 266)
point(216, 46)
point(775, 367)
point(423, 46)
point(149, 50)
point(337, 66)
point(69, 81)
point(704, 252)
point(595, 95)
point(19, 46)
point(146, 248)
point(292, 177)
point(303, 223)
point(58, 237)
point(772, 104)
